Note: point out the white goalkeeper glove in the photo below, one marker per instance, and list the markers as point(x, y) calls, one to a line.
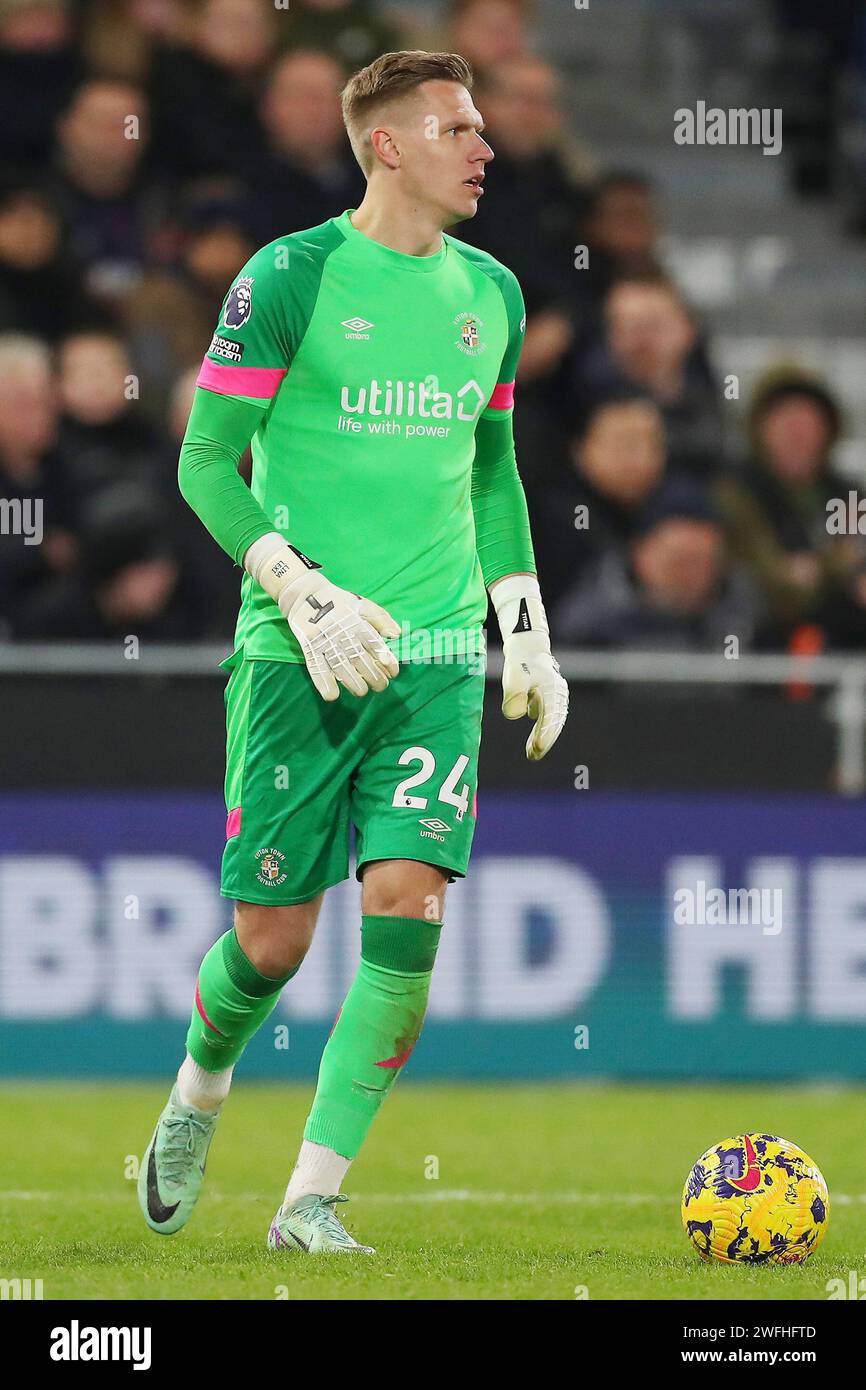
point(340, 633)
point(531, 681)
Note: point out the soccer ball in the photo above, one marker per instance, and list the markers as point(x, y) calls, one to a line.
point(755, 1199)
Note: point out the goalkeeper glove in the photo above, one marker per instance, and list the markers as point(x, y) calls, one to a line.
point(340, 633)
point(531, 681)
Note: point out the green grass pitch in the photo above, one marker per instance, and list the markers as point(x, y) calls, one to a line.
point(542, 1192)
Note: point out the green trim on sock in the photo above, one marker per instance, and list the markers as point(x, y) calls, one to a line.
point(336, 1126)
point(407, 945)
point(244, 975)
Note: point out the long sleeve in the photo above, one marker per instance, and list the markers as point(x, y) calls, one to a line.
point(263, 320)
point(502, 532)
point(219, 429)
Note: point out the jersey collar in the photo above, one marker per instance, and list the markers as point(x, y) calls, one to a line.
point(385, 255)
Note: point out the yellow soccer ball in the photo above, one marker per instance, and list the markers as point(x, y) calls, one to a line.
point(755, 1199)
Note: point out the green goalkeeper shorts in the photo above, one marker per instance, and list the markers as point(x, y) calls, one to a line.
point(401, 765)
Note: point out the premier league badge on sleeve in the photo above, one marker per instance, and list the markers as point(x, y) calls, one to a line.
point(239, 304)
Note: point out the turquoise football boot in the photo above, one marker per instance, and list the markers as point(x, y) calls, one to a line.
point(311, 1224)
point(172, 1170)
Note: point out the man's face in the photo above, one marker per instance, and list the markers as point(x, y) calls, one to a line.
point(795, 435)
point(301, 108)
point(649, 331)
point(234, 34)
point(624, 223)
point(94, 130)
point(93, 372)
point(27, 412)
point(216, 254)
point(436, 133)
point(679, 564)
point(623, 451)
point(29, 232)
point(489, 32)
point(523, 106)
point(35, 27)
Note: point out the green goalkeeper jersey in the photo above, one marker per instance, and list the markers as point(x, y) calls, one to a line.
point(372, 370)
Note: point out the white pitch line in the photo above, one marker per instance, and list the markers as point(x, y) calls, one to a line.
point(465, 1194)
point(543, 1198)
point(460, 1194)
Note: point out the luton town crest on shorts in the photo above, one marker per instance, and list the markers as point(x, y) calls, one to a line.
point(270, 863)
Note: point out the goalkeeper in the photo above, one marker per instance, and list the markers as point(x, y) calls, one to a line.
point(371, 363)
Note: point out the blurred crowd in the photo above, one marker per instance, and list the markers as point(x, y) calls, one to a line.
point(148, 147)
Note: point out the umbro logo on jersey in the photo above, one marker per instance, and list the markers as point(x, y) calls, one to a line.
point(358, 327)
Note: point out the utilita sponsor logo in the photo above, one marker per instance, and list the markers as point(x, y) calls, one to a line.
point(413, 398)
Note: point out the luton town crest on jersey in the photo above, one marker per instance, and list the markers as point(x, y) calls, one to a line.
point(239, 303)
point(469, 341)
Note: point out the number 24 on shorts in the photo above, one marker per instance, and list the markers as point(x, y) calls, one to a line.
point(447, 791)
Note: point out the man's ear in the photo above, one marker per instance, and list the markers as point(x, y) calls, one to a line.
point(384, 147)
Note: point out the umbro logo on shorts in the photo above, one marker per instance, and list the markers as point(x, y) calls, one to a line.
point(434, 828)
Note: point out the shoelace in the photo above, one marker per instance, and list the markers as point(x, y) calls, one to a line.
point(179, 1147)
point(322, 1215)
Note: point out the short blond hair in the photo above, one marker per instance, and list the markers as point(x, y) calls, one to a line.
point(387, 78)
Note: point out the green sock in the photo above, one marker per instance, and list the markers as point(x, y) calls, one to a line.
point(375, 1031)
point(232, 1001)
